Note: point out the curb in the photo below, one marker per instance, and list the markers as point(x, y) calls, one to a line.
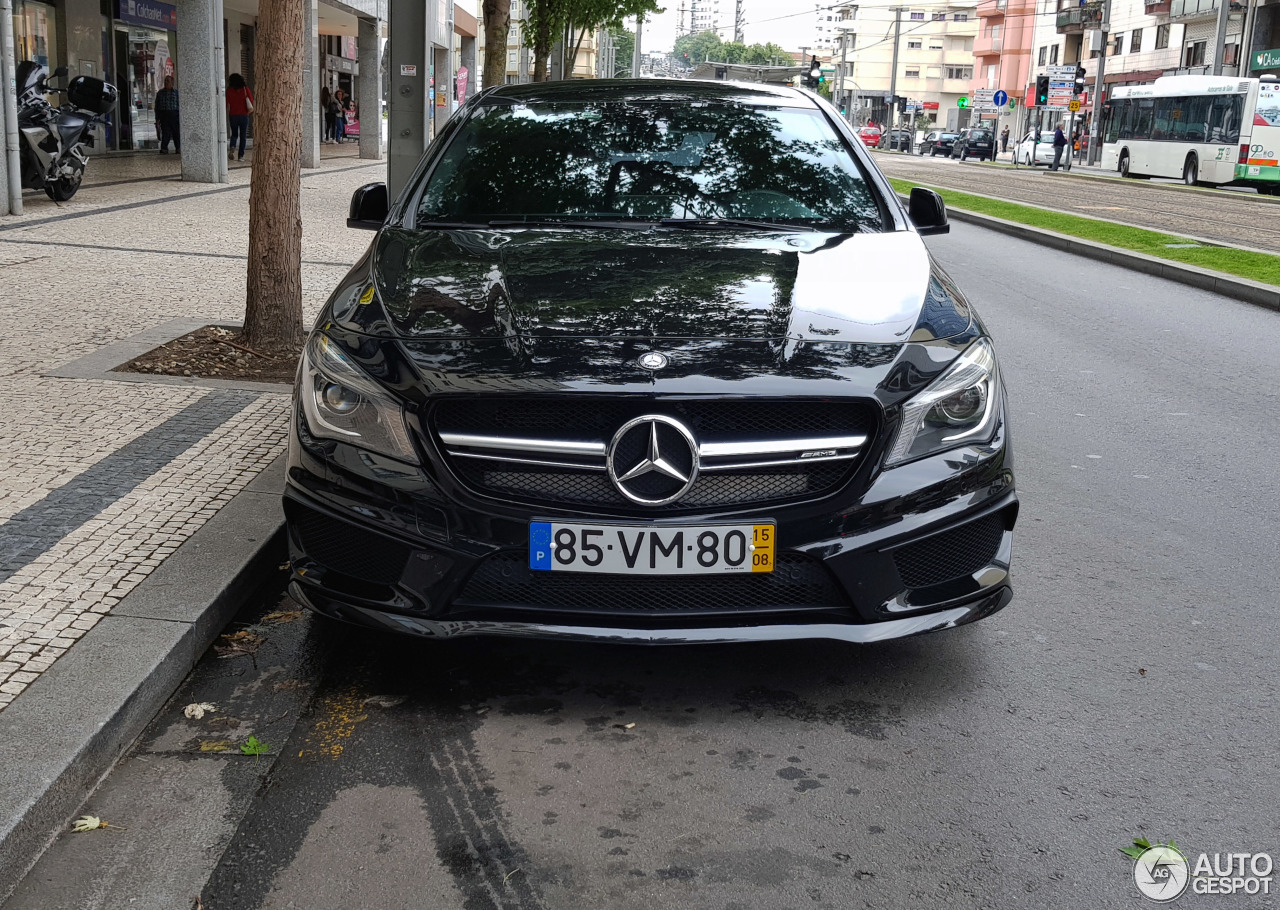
point(1175, 187)
point(67, 730)
point(1242, 289)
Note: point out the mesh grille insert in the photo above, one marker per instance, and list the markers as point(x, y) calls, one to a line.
point(349, 550)
point(798, 582)
point(951, 554)
point(575, 417)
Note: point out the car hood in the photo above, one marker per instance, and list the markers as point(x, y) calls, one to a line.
point(559, 284)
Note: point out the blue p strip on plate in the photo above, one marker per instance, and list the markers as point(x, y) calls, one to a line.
point(540, 545)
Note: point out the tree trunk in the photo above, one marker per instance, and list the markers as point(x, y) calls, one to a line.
point(539, 68)
point(573, 58)
point(273, 305)
point(497, 22)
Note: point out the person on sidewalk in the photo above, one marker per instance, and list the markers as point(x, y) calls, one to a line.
point(330, 122)
point(1004, 139)
point(1059, 146)
point(340, 112)
point(167, 117)
point(239, 107)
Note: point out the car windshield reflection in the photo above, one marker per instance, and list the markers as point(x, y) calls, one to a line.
point(646, 162)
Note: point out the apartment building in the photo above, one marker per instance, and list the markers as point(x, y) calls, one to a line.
point(520, 63)
point(935, 57)
point(1002, 55)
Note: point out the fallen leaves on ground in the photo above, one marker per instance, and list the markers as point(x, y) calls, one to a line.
point(91, 823)
point(238, 644)
point(630, 726)
point(216, 745)
point(281, 616)
point(197, 710)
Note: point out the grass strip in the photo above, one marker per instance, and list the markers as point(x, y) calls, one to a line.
point(1245, 263)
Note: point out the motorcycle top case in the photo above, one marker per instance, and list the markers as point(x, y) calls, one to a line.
point(90, 94)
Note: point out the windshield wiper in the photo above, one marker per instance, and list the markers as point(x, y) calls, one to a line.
point(571, 223)
point(734, 223)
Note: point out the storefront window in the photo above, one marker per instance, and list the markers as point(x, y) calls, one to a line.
point(147, 57)
point(35, 37)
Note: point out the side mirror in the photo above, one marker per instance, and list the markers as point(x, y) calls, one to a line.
point(368, 207)
point(60, 71)
point(928, 212)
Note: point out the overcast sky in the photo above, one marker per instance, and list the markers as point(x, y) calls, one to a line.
point(788, 23)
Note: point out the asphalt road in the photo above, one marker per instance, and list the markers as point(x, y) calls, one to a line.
point(1240, 219)
point(1129, 690)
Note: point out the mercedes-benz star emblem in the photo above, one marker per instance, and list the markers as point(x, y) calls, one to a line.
point(652, 360)
point(653, 460)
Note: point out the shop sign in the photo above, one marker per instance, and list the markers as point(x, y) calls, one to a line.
point(148, 13)
point(1265, 60)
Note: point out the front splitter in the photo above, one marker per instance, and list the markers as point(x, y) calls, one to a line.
point(863, 633)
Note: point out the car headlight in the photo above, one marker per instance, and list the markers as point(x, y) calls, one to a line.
point(341, 402)
point(956, 408)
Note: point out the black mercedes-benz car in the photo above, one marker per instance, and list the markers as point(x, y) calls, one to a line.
point(658, 361)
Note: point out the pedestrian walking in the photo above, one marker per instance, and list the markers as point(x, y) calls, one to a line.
point(1059, 146)
point(239, 107)
point(167, 117)
point(1004, 139)
point(330, 121)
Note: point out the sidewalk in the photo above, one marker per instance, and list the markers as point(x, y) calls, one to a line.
point(102, 480)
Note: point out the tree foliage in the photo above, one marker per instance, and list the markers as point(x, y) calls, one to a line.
point(624, 45)
point(548, 19)
point(691, 50)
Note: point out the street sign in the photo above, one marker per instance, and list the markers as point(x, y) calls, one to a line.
point(1074, 106)
point(1000, 98)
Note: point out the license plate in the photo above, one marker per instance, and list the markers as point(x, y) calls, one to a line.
point(641, 550)
point(1255, 171)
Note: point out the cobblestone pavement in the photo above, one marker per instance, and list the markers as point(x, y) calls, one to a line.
point(101, 480)
point(1241, 219)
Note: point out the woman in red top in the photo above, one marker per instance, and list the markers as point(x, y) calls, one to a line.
point(239, 107)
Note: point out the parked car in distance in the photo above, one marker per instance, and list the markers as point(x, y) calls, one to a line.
point(937, 142)
point(974, 142)
point(896, 140)
point(629, 392)
point(1032, 150)
point(870, 135)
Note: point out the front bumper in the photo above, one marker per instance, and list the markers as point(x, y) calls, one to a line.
point(923, 547)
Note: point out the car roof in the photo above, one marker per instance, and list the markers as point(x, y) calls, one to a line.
point(668, 90)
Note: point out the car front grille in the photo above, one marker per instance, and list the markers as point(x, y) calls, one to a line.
point(952, 554)
point(504, 579)
point(551, 451)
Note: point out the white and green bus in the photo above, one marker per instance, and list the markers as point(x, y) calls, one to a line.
point(1208, 130)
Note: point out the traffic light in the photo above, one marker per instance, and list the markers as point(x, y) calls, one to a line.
point(814, 78)
point(1077, 87)
point(962, 102)
point(1042, 91)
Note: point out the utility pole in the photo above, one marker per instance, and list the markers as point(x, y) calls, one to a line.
point(840, 74)
point(1095, 119)
point(893, 73)
point(737, 21)
point(1220, 41)
point(635, 57)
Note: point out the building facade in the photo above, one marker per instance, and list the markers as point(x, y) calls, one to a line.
point(935, 62)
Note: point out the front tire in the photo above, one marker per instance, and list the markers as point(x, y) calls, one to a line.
point(1191, 171)
point(1124, 165)
point(62, 189)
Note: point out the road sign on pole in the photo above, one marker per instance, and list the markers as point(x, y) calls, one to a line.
point(1000, 98)
point(1074, 106)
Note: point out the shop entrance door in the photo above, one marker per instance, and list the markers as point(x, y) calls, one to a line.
point(143, 58)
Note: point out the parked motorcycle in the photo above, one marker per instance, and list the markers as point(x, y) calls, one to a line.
point(52, 139)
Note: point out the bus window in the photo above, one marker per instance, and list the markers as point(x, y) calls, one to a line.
point(1117, 128)
point(1143, 116)
point(1191, 125)
point(1168, 114)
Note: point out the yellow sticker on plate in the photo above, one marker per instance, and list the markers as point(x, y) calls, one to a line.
point(762, 541)
point(367, 295)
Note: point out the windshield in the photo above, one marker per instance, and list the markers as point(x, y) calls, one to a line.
point(647, 161)
point(980, 134)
